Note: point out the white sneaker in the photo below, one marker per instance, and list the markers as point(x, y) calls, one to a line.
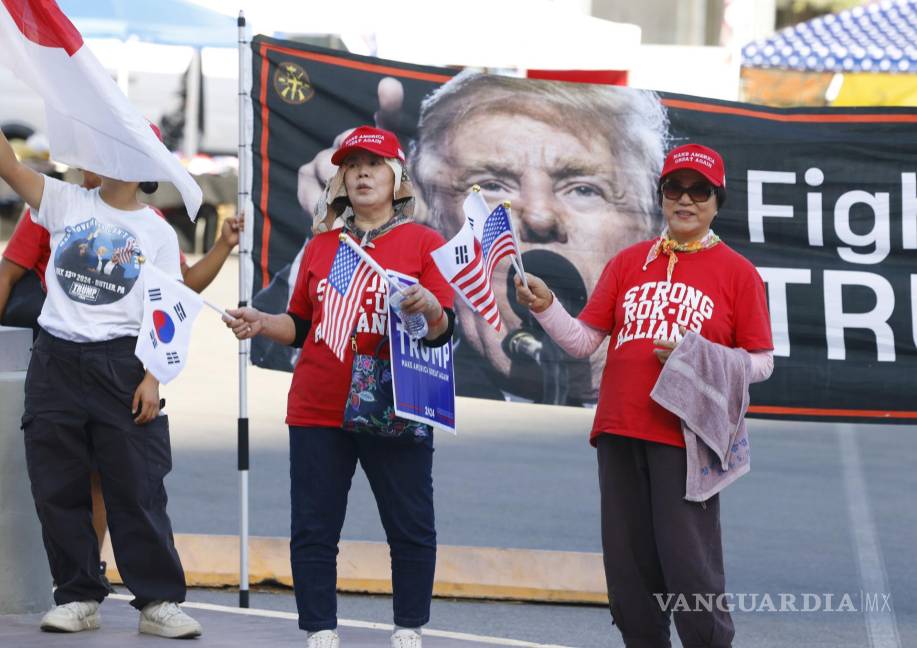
point(166, 619)
point(72, 617)
point(323, 639)
point(406, 638)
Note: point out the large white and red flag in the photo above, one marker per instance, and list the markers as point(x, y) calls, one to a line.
point(91, 124)
point(464, 264)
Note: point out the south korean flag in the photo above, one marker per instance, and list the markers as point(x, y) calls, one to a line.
point(169, 310)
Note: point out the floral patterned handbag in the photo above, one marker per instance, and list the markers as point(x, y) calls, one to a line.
point(370, 407)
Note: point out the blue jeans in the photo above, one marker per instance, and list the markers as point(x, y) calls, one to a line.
point(400, 472)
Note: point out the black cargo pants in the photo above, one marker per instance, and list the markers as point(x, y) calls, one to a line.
point(78, 414)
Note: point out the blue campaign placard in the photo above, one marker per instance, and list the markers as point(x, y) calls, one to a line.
point(423, 378)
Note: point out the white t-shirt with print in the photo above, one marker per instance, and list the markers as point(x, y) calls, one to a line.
point(95, 289)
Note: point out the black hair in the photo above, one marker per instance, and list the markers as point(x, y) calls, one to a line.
point(720, 196)
point(149, 187)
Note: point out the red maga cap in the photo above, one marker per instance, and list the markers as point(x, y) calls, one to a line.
point(375, 140)
point(705, 161)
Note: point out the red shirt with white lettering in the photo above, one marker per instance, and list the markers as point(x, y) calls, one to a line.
point(321, 382)
point(716, 292)
point(30, 246)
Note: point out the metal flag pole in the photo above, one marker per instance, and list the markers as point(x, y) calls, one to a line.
point(244, 298)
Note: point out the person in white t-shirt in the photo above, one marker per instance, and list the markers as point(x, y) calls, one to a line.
point(88, 400)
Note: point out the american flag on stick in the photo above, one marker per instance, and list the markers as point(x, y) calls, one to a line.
point(341, 303)
point(497, 240)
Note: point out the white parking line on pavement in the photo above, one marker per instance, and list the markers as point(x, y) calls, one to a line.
point(350, 623)
point(881, 626)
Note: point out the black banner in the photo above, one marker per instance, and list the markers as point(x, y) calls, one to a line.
point(822, 201)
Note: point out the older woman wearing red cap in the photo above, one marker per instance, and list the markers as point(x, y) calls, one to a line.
point(655, 541)
point(372, 196)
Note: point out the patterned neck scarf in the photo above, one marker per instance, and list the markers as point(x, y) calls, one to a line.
point(669, 246)
point(401, 216)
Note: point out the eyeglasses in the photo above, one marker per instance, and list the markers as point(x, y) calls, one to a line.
point(699, 192)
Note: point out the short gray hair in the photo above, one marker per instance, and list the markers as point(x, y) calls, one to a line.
point(634, 122)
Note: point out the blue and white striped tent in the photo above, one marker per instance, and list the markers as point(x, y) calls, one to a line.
point(879, 37)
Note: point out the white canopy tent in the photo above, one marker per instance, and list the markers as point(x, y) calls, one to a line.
point(507, 34)
point(522, 34)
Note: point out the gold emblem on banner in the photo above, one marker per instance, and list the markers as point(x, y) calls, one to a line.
point(292, 83)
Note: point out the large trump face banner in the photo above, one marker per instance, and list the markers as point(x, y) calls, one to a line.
point(823, 202)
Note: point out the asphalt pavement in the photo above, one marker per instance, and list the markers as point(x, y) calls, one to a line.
point(224, 627)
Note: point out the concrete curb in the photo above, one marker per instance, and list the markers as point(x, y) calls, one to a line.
point(365, 567)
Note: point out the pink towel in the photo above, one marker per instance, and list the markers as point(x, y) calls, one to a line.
point(706, 385)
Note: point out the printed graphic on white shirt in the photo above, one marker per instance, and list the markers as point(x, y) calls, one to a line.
point(96, 262)
point(656, 309)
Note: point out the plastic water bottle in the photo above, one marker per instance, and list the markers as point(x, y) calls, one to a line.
point(415, 324)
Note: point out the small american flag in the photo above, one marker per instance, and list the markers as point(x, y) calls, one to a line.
point(497, 240)
point(123, 255)
point(343, 293)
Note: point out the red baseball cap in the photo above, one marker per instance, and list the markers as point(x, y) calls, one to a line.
point(375, 140)
point(702, 159)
